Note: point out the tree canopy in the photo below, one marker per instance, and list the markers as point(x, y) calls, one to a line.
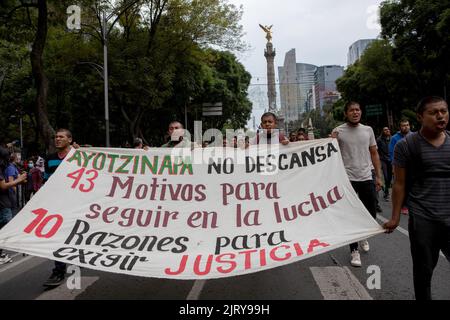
point(410, 61)
point(164, 57)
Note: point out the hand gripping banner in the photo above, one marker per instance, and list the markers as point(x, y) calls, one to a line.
point(192, 214)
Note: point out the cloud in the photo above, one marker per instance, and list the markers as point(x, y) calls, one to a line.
point(321, 31)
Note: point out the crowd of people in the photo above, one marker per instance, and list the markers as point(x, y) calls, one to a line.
point(416, 165)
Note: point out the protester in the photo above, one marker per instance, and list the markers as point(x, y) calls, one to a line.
point(29, 186)
point(177, 139)
point(405, 130)
point(40, 164)
point(301, 134)
point(63, 141)
point(359, 152)
point(11, 174)
point(36, 176)
point(293, 136)
point(6, 212)
point(422, 176)
point(270, 134)
point(383, 142)
point(138, 143)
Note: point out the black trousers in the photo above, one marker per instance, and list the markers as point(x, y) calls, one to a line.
point(387, 174)
point(427, 237)
point(60, 267)
point(367, 194)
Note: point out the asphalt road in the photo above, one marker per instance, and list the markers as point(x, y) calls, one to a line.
point(325, 277)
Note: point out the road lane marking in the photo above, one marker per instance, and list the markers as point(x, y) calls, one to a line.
point(339, 283)
point(196, 290)
point(406, 233)
point(63, 293)
point(384, 220)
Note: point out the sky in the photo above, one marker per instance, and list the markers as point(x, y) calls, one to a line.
point(321, 31)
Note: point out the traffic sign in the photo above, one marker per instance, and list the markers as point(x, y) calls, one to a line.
point(374, 110)
point(212, 109)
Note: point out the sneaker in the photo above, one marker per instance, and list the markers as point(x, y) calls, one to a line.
point(55, 279)
point(379, 208)
point(386, 198)
point(364, 245)
point(4, 258)
point(356, 259)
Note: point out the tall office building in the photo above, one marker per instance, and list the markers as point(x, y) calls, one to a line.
point(357, 49)
point(325, 91)
point(305, 76)
point(295, 80)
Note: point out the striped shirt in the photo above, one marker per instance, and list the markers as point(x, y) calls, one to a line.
point(428, 198)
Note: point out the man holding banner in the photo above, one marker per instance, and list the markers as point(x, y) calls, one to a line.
point(422, 179)
point(359, 152)
point(63, 141)
point(183, 216)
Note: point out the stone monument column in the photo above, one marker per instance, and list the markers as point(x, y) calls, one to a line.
point(269, 53)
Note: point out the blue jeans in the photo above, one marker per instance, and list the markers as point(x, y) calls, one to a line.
point(5, 216)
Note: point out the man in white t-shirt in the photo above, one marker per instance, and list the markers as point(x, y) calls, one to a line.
point(359, 153)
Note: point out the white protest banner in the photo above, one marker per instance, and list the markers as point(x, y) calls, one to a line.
point(177, 214)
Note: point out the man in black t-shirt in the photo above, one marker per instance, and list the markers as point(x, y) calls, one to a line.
point(422, 177)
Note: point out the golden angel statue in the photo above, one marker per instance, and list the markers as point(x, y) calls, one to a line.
point(268, 31)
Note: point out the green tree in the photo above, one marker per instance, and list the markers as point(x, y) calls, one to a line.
point(159, 64)
point(408, 63)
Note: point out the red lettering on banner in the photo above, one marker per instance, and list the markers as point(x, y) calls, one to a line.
point(78, 174)
point(262, 257)
point(276, 258)
point(298, 249)
point(232, 263)
point(316, 243)
point(246, 259)
point(207, 267)
point(42, 221)
point(181, 268)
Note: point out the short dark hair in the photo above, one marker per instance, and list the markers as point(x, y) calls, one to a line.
point(176, 121)
point(403, 120)
point(350, 103)
point(137, 142)
point(426, 101)
point(66, 131)
point(269, 114)
point(301, 130)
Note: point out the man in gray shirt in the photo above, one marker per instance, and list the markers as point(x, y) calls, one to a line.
point(359, 153)
point(422, 177)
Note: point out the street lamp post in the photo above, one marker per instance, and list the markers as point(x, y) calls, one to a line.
point(105, 74)
point(103, 70)
point(21, 133)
